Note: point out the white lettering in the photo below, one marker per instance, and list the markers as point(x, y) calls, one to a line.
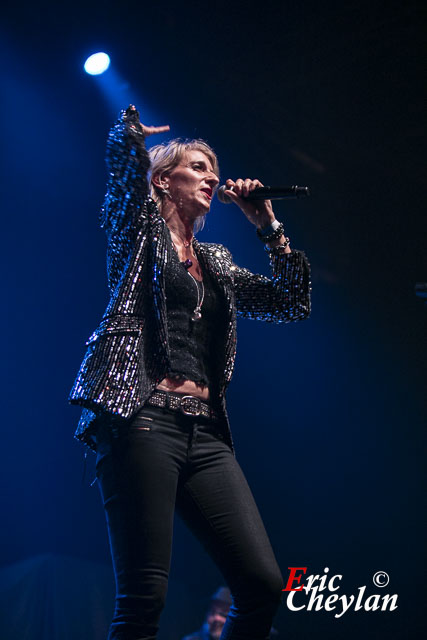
point(315, 600)
point(358, 604)
point(329, 600)
point(290, 603)
point(345, 606)
point(310, 581)
point(331, 583)
point(375, 605)
point(322, 585)
point(386, 599)
point(332, 601)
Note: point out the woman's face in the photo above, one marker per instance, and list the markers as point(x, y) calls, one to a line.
point(192, 183)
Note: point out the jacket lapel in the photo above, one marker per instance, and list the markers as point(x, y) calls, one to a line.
point(159, 251)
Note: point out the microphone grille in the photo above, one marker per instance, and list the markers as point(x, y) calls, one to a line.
point(221, 195)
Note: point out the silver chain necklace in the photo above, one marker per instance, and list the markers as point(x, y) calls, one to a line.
point(197, 313)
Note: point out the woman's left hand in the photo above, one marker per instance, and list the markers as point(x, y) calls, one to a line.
point(259, 212)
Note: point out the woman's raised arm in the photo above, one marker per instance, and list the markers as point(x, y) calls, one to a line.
point(127, 163)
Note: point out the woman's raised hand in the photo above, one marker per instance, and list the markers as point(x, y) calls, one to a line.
point(259, 212)
point(131, 112)
point(148, 131)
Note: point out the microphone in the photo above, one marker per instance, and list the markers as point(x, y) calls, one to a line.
point(267, 193)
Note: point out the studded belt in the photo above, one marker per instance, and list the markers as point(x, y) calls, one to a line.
point(188, 405)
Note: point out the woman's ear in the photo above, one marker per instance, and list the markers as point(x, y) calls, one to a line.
point(159, 181)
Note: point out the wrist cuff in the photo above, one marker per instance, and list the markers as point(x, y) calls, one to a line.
point(265, 231)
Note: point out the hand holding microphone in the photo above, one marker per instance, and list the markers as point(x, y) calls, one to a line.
point(260, 213)
point(254, 199)
point(254, 191)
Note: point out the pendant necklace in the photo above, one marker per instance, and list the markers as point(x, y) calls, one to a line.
point(197, 313)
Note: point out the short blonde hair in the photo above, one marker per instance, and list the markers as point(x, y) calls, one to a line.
point(166, 156)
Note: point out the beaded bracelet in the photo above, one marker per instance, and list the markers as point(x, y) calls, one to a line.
point(280, 248)
point(268, 237)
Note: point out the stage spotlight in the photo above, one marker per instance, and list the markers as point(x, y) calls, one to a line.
point(97, 63)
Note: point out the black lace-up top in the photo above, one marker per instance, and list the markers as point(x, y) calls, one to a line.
point(195, 346)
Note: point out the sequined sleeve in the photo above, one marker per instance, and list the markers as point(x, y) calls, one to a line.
point(127, 164)
point(285, 297)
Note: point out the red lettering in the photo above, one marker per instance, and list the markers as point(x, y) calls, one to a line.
point(293, 578)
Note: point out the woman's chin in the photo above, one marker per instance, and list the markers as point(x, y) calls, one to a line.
point(205, 202)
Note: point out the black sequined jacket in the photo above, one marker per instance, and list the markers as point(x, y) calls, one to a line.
point(128, 354)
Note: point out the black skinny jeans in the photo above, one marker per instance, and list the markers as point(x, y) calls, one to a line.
point(168, 460)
